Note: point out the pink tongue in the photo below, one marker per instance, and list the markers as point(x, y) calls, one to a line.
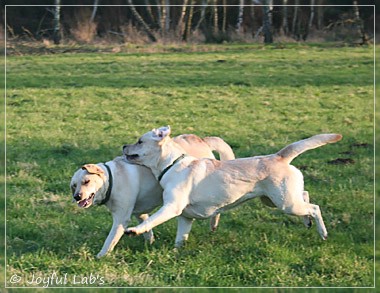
point(82, 203)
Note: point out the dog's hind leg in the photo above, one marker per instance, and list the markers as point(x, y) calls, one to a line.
point(183, 230)
point(214, 222)
point(148, 236)
point(308, 209)
point(315, 212)
point(306, 219)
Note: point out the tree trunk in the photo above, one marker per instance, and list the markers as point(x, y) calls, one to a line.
point(187, 31)
point(312, 7)
point(142, 22)
point(181, 25)
point(253, 2)
point(224, 24)
point(295, 17)
point(320, 15)
point(94, 10)
point(166, 15)
point(240, 16)
point(149, 15)
point(203, 13)
point(159, 18)
point(359, 24)
point(267, 22)
point(57, 22)
point(285, 18)
point(216, 19)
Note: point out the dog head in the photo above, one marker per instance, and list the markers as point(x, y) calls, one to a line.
point(87, 185)
point(145, 150)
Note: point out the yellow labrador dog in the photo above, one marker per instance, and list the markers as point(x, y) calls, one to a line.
point(128, 189)
point(201, 188)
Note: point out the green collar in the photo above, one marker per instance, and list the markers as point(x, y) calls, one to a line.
point(168, 167)
point(110, 185)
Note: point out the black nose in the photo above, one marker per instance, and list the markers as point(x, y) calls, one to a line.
point(77, 197)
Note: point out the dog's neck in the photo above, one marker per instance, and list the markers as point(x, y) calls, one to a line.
point(109, 185)
point(170, 151)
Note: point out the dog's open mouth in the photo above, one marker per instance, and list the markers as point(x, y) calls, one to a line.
point(132, 157)
point(85, 203)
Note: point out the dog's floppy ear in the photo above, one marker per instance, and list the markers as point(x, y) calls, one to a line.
point(92, 169)
point(161, 133)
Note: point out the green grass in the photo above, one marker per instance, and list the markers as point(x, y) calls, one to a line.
point(65, 110)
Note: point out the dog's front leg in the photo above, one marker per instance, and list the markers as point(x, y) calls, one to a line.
point(121, 219)
point(148, 236)
point(164, 214)
point(183, 230)
point(173, 207)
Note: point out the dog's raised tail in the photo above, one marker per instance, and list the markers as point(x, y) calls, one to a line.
point(219, 145)
point(293, 150)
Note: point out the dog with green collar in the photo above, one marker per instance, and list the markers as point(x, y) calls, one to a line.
point(131, 190)
point(202, 188)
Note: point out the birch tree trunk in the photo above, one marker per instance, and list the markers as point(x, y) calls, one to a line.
point(320, 15)
point(359, 24)
point(285, 18)
point(166, 15)
point(224, 24)
point(253, 2)
point(240, 16)
point(189, 21)
point(136, 14)
point(267, 21)
point(295, 17)
point(159, 18)
point(57, 22)
point(203, 13)
point(181, 25)
point(216, 19)
point(312, 7)
point(149, 14)
point(94, 10)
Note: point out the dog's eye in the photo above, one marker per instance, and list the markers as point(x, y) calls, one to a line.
point(86, 182)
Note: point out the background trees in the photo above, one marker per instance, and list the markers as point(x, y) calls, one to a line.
point(191, 20)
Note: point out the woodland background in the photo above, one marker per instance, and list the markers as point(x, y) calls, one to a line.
point(192, 21)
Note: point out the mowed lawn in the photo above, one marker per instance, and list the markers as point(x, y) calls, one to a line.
point(65, 110)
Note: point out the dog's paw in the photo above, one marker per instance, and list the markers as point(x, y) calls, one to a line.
point(323, 235)
point(131, 231)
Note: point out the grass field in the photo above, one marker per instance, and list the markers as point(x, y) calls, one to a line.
point(65, 110)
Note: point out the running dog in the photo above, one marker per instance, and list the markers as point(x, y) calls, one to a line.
point(128, 189)
point(202, 188)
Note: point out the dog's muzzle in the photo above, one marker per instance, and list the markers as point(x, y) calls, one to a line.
point(128, 156)
point(84, 203)
point(131, 157)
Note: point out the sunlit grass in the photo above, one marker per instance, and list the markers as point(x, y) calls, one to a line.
point(69, 109)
